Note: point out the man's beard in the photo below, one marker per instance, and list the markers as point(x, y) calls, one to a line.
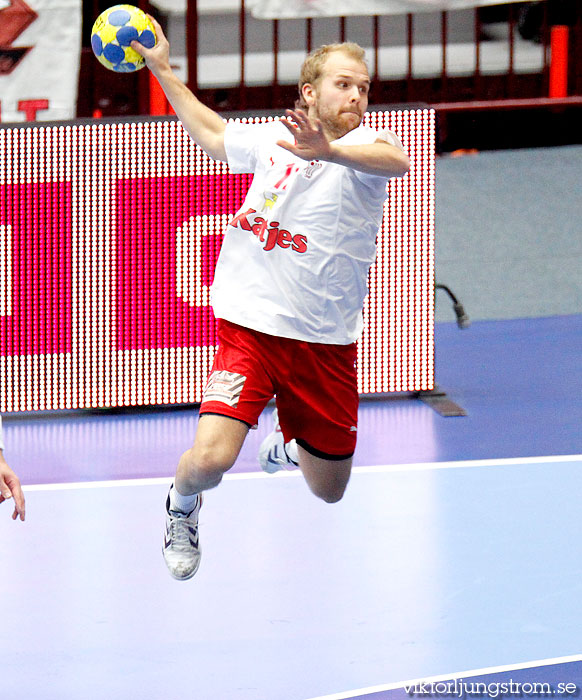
point(335, 126)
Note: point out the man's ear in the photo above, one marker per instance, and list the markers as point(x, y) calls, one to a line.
point(308, 94)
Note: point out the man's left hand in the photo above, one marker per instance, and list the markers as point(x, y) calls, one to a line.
point(310, 140)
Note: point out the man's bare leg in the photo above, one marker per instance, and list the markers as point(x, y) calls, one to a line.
point(216, 446)
point(327, 478)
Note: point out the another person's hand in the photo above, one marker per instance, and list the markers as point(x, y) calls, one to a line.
point(10, 488)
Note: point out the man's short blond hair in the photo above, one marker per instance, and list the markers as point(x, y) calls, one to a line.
point(312, 67)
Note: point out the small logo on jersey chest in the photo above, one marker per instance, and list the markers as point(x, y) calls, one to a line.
point(311, 168)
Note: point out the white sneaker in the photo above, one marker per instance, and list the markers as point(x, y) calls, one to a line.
point(181, 543)
point(274, 454)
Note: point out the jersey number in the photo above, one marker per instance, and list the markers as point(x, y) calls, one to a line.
point(288, 171)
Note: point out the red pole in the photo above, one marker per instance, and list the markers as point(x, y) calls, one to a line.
point(559, 61)
point(242, 102)
point(376, 48)
point(158, 102)
point(143, 82)
point(192, 43)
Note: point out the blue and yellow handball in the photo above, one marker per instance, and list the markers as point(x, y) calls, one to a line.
point(113, 32)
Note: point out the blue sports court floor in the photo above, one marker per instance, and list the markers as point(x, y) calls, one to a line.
point(453, 564)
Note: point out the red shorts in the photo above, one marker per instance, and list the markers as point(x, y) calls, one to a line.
point(315, 385)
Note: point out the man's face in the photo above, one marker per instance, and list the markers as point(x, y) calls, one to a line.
point(340, 96)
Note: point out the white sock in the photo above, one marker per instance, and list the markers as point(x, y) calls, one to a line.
point(291, 450)
point(183, 504)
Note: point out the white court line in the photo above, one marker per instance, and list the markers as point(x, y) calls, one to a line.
point(361, 692)
point(373, 469)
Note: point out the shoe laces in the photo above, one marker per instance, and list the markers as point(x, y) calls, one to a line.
point(181, 530)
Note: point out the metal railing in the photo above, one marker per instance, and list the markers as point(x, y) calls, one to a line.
point(108, 94)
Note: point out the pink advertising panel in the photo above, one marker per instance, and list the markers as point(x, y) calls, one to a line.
point(109, 234)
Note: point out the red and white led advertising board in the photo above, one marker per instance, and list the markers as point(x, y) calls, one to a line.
point(109, 233)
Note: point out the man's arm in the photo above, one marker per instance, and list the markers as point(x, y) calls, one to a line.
point(379, 158)
point(10, 488)
point(204, 125)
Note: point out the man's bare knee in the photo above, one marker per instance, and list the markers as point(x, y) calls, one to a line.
point(203, 466)
point(209, 458)
point(216, 447)
point(326, 478)
point(330, 493)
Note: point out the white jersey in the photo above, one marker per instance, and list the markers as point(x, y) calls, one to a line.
point(295, 258)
